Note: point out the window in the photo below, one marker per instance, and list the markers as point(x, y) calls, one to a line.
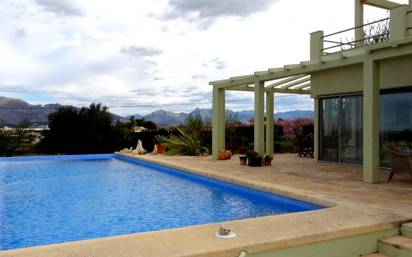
point(396, 122)
point(341, 129)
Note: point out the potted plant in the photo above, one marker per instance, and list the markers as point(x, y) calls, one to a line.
point(254, 159)
point(267, 160)
point(243, 159)
point(159, 141)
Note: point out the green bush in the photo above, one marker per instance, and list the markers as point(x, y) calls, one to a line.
point(286, 146)
point(15, 141)
point(185, 143)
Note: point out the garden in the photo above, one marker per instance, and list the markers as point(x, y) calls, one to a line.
point(91, 130)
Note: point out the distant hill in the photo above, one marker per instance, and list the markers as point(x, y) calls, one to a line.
point(162, 117)
point(296, 114)
point(14, 111)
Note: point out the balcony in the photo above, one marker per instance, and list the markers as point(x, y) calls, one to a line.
point(394, 28)
point(373, 33)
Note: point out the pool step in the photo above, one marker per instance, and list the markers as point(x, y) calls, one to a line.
point(396, 246)
point(406, 229)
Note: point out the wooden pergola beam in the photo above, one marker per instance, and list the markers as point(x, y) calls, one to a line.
point(284, 81)
point(306, 85)
point(302, 91)
point(295, 83)
point(384, 4)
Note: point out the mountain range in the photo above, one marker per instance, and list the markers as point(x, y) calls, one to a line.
point(163, 117)
point(14, 111)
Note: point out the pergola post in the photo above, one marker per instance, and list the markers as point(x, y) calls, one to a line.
point(218, 122)
point(316, 129)
point(259, 129)
point(371, 127)
point(359, 23)
point(269, 122)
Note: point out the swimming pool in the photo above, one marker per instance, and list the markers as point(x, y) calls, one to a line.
point(46, 200)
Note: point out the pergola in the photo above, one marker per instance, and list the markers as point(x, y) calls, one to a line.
point(264, 84)
point(297, 79)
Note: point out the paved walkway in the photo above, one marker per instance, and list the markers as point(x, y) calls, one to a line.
point(302, 177)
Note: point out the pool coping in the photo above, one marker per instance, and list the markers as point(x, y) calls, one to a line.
point(255, 235)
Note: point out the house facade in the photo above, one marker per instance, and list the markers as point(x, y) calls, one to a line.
point(362, 91)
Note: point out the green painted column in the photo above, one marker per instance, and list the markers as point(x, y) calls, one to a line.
point(398, 23)
point(359, 22)
point(316, 129)
point(316, 45)
point(269, 122)
point(218, 122)
point(371, 126)
point(259, 128)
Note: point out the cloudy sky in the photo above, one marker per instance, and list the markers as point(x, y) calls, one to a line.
point(139, 56)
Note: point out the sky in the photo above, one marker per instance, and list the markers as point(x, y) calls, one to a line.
point(140, 56)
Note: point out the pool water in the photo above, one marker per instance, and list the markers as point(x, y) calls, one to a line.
point(46, 200)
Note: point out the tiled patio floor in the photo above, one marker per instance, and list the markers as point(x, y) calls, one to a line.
point(337, 183)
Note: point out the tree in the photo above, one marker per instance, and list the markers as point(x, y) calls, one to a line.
point(12, 139)
point(133, 122)
point(88, 130)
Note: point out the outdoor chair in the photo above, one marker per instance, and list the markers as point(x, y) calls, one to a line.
point(401, 161)
point(305, 145)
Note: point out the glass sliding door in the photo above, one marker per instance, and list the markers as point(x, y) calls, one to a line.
point(395, 122)
point(351, 129)
point(341, 129)
point(341, 126)
point(329, 129)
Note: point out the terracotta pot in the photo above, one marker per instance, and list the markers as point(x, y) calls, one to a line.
point(161, 148)
point(228, 154)
point(267, 161)
point(221, 155)
point(224, 155)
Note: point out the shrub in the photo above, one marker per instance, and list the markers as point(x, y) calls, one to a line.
point(15, 140)
point(185, 143)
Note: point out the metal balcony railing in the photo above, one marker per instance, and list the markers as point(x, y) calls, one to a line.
point(373, 32)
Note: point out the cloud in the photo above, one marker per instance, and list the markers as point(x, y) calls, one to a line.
point(61, 7)
point(117, 54)
point(20, 33)
point(199, 76)
point(215, 63)
point(205, 13)
point(140, 51)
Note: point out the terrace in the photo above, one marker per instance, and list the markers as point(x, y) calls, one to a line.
point(335, 67)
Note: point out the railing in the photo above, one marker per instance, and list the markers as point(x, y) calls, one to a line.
point(373, 32)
